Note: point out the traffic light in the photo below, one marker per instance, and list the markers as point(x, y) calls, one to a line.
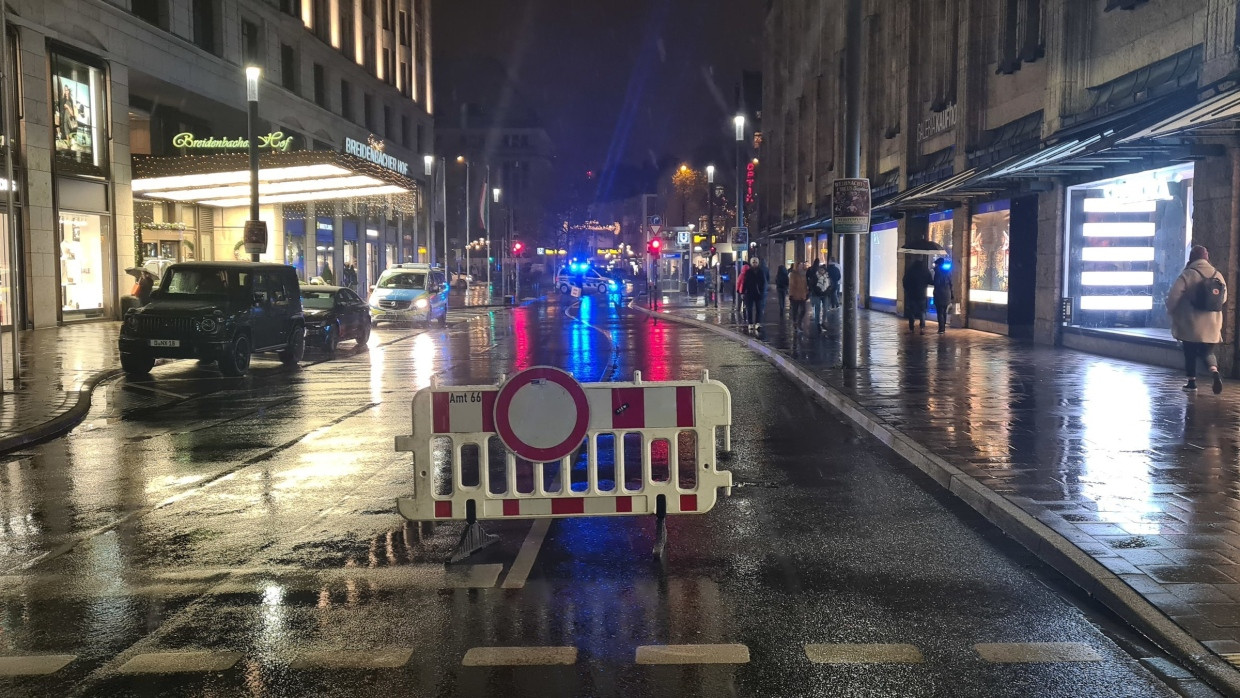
point(654, 247)
point(712, 250)
point(517, 247)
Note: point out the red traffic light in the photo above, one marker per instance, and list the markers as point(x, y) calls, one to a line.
point(517, 247)
point(655, 244)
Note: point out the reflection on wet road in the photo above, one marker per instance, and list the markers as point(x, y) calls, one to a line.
point(209, 536)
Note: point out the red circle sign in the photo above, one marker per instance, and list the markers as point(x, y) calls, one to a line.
point(541, 414)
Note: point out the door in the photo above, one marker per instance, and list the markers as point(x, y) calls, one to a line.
point(1022, 266)
point(263, 316)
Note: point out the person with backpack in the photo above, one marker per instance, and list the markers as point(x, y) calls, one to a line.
point(1195, 306)
point(781, 288)
point(834, 274)
point(819, 282)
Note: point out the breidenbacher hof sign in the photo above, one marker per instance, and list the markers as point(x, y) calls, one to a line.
point(376, 156)
point(273, 141)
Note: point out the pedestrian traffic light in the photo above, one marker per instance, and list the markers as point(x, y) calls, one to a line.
point(516, 249)
point(712, 250)
point(654, 247)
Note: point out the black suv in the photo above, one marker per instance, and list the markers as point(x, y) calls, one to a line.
point(217, 311)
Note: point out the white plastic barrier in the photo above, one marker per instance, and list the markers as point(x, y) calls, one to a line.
point(541, 445)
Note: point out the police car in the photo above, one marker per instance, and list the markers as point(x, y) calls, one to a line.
point(590, 280)
point(410, 293)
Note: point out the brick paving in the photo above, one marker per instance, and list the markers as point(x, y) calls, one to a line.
point(56, 363)
point(1111, 454)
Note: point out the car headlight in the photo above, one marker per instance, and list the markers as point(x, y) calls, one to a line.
point(208, 324)
point(421, 303)
point(131, 321)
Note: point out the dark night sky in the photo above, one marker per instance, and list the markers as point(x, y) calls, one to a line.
point(636, 79)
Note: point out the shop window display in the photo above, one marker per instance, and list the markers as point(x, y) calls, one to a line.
point(78, 115)
point(325, 249)
point(940, 230)
point(989, 240)
point(295, 245)
point(1128, 240)
point(884, 239)
point(81, 264)
point(6, 273)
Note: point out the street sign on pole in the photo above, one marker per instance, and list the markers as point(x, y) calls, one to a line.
point(740, 236)
point(850, 205)
point(682, 237)
point(655, 230)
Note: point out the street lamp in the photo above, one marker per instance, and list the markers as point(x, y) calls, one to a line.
point(495, 191)
point(710, 226)
point(465, 236)
point(428, 162)
point(255, 235)
point(739, 122)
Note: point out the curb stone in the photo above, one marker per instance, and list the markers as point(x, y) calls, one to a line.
point(61, 423)
point(1048, 545)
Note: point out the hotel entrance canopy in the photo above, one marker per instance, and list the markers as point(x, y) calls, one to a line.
point(223, 180)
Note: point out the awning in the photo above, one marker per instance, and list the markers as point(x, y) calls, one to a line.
point(224, 179)
point(1218, 108)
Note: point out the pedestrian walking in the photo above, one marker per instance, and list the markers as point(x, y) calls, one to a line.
point(944, 296)
point(740, 289)
point(781, 287)
point(818, 282)
point(755, 293)
point(915, 280)
point(834, 275)
point(798, 294)
point(1195, 305)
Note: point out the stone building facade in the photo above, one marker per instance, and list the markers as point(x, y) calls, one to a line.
point(124, 112)
point(1064, 153)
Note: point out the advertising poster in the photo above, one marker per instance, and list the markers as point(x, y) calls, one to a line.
point(73, 117)
point(850, 203)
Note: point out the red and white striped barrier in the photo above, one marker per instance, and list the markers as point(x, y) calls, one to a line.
point(542, 445)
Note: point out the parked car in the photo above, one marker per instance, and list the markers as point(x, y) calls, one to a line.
point(590, 280)
point(217, 311)
point(334, 314)
point(410, 293)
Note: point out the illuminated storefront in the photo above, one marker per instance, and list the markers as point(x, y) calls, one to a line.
point(884, 281)
point(989, 245)
point(1127, 240)
point(940, 230)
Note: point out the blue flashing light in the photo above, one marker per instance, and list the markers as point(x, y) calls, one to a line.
point(947, 265)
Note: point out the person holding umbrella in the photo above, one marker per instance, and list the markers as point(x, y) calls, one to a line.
point(916, 279)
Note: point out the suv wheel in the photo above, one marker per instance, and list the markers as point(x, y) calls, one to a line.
point(137, 364)
point(296, 347)
point(363, 336)
point(236, 360)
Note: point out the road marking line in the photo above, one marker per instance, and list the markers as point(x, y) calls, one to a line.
point(693, 654)
point(845, 653)
point(169, 393)
point(524, 563)
point(392, 658)
point(180, 662)
point(1030, 652)
point(34, 665)
point(520, 656)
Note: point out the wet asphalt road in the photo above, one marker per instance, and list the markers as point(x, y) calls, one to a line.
point(251, 522)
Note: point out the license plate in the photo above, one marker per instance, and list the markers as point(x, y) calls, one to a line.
point(165, 342)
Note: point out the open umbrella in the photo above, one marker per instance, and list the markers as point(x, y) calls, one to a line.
point(929, 248)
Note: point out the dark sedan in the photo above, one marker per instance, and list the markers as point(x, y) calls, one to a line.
point(333, 315)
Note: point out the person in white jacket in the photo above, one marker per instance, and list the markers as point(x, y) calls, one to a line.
point(1198, 329)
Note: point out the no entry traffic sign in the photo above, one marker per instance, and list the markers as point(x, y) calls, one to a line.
point(541, 414)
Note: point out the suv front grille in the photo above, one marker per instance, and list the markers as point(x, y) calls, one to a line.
point(164, 326)
point(395, 305)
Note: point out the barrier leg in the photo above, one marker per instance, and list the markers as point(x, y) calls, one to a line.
point(474, 537)
point(660, 528)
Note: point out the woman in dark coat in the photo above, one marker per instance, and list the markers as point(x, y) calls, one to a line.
point(943, 293)
point(916, 279)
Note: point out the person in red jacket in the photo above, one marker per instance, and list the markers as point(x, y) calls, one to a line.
point(740, 289)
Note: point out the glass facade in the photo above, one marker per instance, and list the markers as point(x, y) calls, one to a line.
point(78, 116)
point(989, 241)
point(1128, 239)
point(940, 230)
point(884, 241)
point(81, 237)
point(295, 245)
point(324, 248)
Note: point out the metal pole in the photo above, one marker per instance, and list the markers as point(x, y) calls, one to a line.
point(710, 233)
point(852, 168)
point(251, 133)
point(443, 200)
point(467, 221)
point(10, 218)
point(430, 229)
point(486, 196)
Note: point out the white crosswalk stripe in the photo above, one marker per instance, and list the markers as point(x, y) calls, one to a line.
point(846, 653)
point(693, 654)
point(1034, 652)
